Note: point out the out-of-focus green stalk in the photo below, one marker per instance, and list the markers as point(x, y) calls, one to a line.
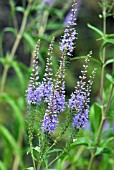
point(43, 23)
point(15, 46)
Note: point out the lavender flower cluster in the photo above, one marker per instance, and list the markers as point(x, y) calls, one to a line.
point(51, 91)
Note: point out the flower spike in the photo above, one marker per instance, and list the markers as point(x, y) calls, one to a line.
point(67, 42)
point(33, 84)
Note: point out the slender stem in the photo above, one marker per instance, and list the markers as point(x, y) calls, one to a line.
point(16, 158)
point(101, 126)
point(101, 93)
point(109, 99)
point(43, 23)
point(15, 46)
point(65, 149)
point(96, 143)
point(104, 51)
point(32, 156)
point(77, 156)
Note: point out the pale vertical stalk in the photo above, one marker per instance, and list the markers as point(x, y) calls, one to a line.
point(15, 46)
point(43, 23)
point(101, 92)
point(16, 158)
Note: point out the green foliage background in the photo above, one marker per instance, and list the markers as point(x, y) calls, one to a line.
point(22, 24)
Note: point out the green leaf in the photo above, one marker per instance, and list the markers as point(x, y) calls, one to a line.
point(20, 9)
point(108, 62)
point(17, 69)
point(106, 141)
point(53, 26)
point(95, 117)
point(17, 112)
point(36, 8)
point(29, 39)
point(78, 58)
point(59, 13)
point(106, 150)
point(55, 150)
point(84, 57)
point(81, 141)
point(99, 151)
point(2, 60)
point(30, 168)
point(10, 29)
point(2, 166)
point(24, 67)
point(110, 78)
point(10, 139)
point(109, 35)
point(6, 60)
point(95, 29)
point(106, 133)
point(104, 44)
point(37, 149)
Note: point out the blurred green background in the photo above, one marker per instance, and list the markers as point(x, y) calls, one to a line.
point(42, 22)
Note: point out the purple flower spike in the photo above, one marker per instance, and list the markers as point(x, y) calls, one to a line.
point(33, 84)
point(80, 119)
point(81, 97)
point(49, 123)
point(31, 98)
point(55, 105)
point(67, 18)
point(47, 80)
point(67, 42)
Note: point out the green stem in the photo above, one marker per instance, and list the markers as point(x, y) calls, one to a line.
point(65, 149)
point(96, 143)
point(77, 156)
point(101, 126)
point(109, 99)
point(104, 51)
point(15, 46)
point(43, 23)
point(101, 93)
point(32, 155)
point(16, 158)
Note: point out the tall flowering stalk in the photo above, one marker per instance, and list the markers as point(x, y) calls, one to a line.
point(51, 93)
point(56, 103)
point(47, 82)
point(78, 103)
point(33, 84)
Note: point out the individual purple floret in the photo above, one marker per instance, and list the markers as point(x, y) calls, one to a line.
point(67, 42)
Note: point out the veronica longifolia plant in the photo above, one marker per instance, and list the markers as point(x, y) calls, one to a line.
point(46, 99)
